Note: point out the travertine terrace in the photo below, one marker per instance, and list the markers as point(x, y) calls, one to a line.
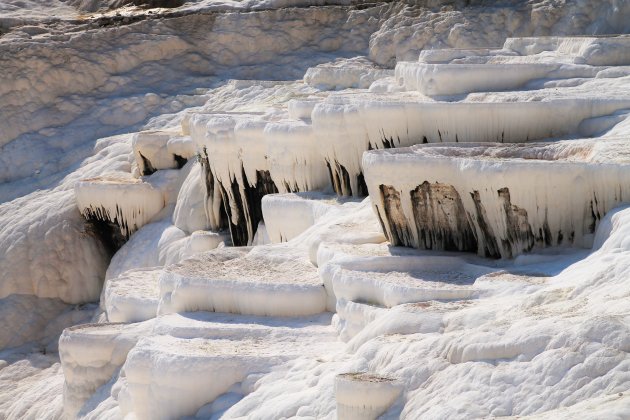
point(302, 209)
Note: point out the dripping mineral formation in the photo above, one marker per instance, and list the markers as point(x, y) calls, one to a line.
point(270, 209)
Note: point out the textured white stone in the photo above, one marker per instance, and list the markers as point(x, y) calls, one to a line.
point(515, 197)
point(122, 200)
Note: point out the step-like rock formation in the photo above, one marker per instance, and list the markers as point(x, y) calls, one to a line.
point(233, 192)
point(288, 215)
point(456, 79)
point(154, 150)
point(362, 395)
point(391, 281)
point(591, 50)
point(178, 346)
point(90, 354)
point(167, 377)
point(521, 60)
point(497, 200)
point(348, 126)
point(343, 74)
point(246, 157)
point(214, 331)
point(119, 203)
point(263, 281)
point(604, 50)
point(133, 296)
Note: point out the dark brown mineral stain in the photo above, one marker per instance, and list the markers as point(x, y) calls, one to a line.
point(107, 229)
point(519, 232)
point(488, 239)
point(394, 217)
point(340, 180)
point(441, 220)
point(243, 208)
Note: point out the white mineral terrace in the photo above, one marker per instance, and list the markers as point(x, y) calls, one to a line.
point(364, 396)
point(264, 281)
point(348, 127)
point(288, 215)
point(391, 281)
point(90, 355)
point(314, 210)
point(455, 79)
point(167, 377)
point(589, 50)
point(522, 60)
point(497, 200)
point(358, 74)
point(127, 202)
point(183, 365)
point(133, 296)
point(238, 349)
point(151, 150)
point(595, 51)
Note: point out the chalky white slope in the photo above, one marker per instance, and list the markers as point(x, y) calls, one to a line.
point(320, 316)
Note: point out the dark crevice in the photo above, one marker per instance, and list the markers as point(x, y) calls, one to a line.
point(233, 208)
point(332, 177)
point(388, 143)
point(209, 182)
point(148, 168)
point(547, 237)
point(151, 4)
point(148, 4)
point(244, 210)
point(594, 217)
point(345, 176)
point(107, 233)
point(363, 189)
point(112, 232)
point(264, 185)
point(340, 180)
point(102, 214)
point(181, 161)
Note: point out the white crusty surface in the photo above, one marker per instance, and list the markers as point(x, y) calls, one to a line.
point(288, 95)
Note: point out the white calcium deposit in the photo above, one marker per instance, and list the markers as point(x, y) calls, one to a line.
point(314, 209)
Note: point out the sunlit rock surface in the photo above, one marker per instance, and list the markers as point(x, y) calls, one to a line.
point(498, 200)
point(276, 209)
